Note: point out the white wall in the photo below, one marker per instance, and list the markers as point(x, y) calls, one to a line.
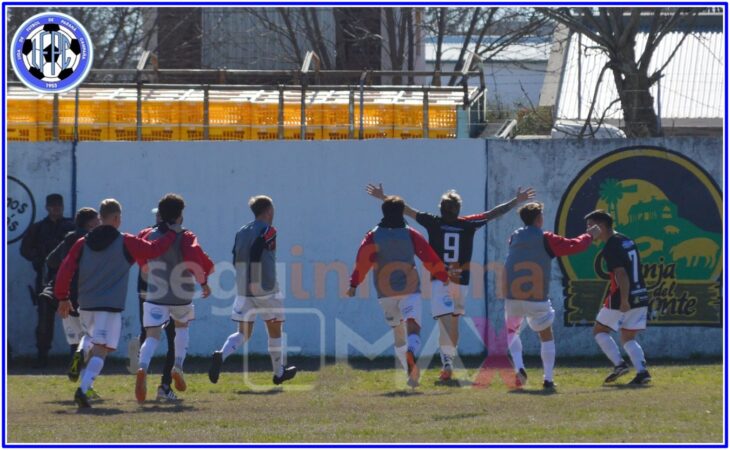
point(319, 192)
point(550, 166)
point(44, 168)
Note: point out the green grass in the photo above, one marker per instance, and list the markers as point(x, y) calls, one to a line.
point(344, 404)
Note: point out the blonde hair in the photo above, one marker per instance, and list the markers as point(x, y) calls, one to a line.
point(450, 204)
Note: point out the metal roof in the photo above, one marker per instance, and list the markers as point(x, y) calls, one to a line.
point(692, 86)
point(527, 49)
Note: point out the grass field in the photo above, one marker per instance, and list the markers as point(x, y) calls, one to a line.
point(346, 404)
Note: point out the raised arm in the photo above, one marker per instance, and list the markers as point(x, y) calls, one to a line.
point(500, 210)
point(377, 192)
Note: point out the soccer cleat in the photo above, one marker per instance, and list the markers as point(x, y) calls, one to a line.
point(520, 378)
point(140, 388)
point(446, 373)
point(91, 394)
point(165, 392)
point(618, 371)
point(414, 373)
point(75, 369)
point(288, 374)
point(641, 378)
point(548, 385)
point(81, 399)
point(215, 367)
point(179, 379)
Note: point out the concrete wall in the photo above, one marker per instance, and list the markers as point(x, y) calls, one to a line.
point(322, 214)
point(322, 211)
point(550, 166)
point(34, 171)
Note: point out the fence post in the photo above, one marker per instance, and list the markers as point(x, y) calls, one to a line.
point(280, 119)
point(206, 112)
point(76, 116)
point(139, 110)
point(351, 115)
point(425, 113)
point(303, 108)
point(55, 117)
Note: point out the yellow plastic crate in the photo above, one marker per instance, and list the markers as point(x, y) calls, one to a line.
point(265, 114)
point(66, 132)
point(312, 133)
point(334, 133)
point(376, 133)
point(22, 132)
point(191, 113)
point(90, 111)
point(122, 112)
point(374, 115)
point(442, 116)
point(216, 133)
point(149, 133)
point(22, 111)
point(155, 112)
point(408, 116)
point(408, 133)
point(335, 114)
point(229, 113)
point(442, 133)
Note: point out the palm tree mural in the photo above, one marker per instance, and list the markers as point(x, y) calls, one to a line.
point(611, 191)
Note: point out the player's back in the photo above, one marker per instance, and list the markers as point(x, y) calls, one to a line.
point(453, 240)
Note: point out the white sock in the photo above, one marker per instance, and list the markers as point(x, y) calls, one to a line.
point(85, 345)
point(514, 344)
point(147, 351)
point(182, 337)
point(93, 369)
point(232, 343)
point(609, 347)
point(448, 352)
point(400, 354)
point(414, 343)
point(547, 353)
point(275, 352)
point(636, 353)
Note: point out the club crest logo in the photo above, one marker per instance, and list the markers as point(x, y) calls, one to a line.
point(51, 53)
point(672, 209)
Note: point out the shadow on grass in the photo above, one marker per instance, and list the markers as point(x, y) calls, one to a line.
point(71, 402)
point(627, 386)
point(535, 392)
point(272, 391)
point(460, 416)
point(454, 383)
point(93, 411)
point(169, 407)
point(402, 393)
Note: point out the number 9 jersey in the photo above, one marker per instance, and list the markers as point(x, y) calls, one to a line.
point(453, 241)
point(621, 251)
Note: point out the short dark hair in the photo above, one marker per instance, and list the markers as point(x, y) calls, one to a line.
point(84, 215)
point(170, 207)
point(530, 211)
point(108, 207)
point(450, 205)
point(54, 199)
point(393, 207)
point(259, 204)
point(600, 216)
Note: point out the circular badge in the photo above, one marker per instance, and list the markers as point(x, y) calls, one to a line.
point(19, 209)
point(51, 53)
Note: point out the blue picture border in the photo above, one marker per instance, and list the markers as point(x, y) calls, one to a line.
point(5, 5)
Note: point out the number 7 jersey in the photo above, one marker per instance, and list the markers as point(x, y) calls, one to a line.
point(453, 241)
point(621, 251)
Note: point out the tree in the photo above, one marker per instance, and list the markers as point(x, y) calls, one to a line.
point(484, 31)
point(614, 32)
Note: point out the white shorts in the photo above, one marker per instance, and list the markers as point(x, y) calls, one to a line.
point(245, 309)
point(154, 315)
point(539, 315)
point(73, 329)
point(633, 319)
point(447, 299)
point(400, 308)
point(103, 327)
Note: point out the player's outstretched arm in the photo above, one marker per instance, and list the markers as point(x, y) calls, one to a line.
point(379, 193)
point(504, 208)
point(561, 246)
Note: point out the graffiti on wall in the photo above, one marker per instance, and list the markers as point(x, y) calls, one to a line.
point(19, 208)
